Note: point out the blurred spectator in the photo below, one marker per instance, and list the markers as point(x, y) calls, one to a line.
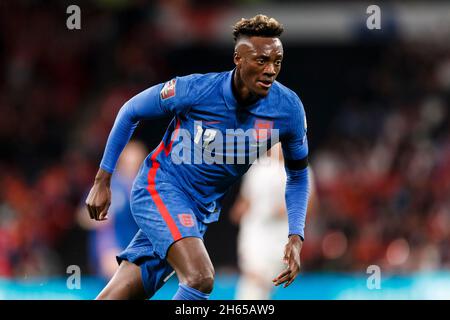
point(260, 211)
point(108, 238)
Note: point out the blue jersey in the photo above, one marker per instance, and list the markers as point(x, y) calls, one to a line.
point(200, 152)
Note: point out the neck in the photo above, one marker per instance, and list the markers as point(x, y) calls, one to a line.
point(241, 93)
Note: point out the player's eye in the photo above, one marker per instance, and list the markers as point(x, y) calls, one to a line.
point(278, 63)
point(260, 61)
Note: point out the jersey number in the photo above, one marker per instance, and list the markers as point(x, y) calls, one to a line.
point(208, 136)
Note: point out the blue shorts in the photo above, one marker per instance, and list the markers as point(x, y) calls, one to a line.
point(164, 215)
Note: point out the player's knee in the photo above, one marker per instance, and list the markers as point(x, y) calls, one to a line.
point(202, 281)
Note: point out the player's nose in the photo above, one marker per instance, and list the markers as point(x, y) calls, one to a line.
point(269, 71)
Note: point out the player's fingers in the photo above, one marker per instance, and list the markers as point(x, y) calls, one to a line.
point(91, 211)
point(294, 266)
point(95, 212)
point(97, 209)
point(281, 275)
point(104, 214)
point(104, 211)
point(283, 279)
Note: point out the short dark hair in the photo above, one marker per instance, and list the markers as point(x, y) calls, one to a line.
point(259, 26)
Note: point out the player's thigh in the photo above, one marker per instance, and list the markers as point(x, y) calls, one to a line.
point(126, 284)
point(166, 216)
point(192, 264)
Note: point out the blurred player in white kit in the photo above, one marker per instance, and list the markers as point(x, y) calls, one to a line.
point(260, 211)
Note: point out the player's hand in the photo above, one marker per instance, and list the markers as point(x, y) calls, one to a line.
point(99, 198)
point(292, 260)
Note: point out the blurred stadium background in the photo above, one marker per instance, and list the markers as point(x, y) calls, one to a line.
point(377, 102)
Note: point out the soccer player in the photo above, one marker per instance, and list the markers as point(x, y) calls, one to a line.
point(173, 199)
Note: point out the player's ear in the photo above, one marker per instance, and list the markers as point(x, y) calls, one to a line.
point(236, 58)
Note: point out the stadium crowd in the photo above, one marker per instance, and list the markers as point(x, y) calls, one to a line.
point(382, 173)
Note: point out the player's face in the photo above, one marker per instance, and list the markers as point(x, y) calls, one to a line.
point(258, 61)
